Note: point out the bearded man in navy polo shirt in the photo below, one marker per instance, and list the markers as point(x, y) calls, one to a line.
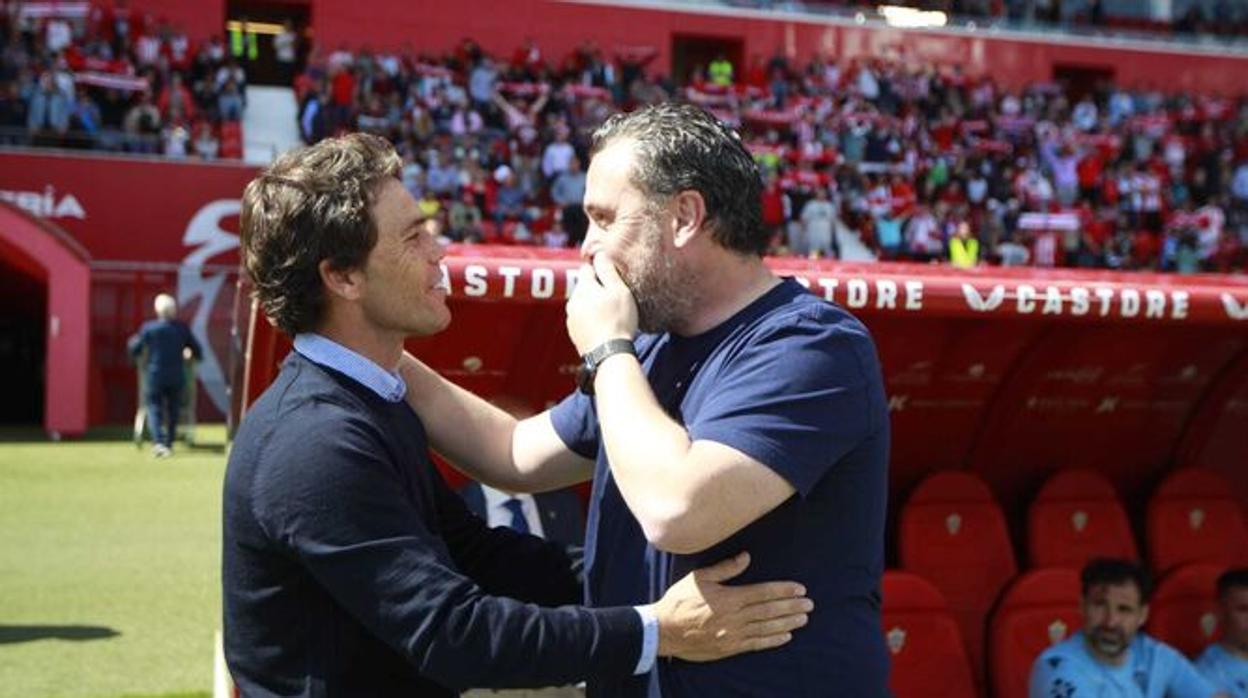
point(721, 409)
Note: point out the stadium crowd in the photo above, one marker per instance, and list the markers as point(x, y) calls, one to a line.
point(107, 77)
point(914, 160)
point(921, 161)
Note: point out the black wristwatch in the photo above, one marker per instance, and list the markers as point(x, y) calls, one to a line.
point(592, 360)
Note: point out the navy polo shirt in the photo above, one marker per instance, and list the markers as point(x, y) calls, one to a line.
point(794, 382)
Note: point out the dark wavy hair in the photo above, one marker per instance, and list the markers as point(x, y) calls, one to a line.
point(681, 147)
point(1236, 578)
point(1103, 570)
point(312, 204)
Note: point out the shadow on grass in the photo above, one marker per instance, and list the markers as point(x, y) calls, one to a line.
point(13, 634)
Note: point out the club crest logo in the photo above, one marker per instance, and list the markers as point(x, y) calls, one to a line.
point(1196, 519)
point(1079, 520)
point(953, 523)
point(1057, 631)
point(896, 640)
point(1208, 625)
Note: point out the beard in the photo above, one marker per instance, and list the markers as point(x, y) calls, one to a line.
point(662, 290)
point(1110, 643)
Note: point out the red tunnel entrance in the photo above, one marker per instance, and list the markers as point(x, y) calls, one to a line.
point(45, 280)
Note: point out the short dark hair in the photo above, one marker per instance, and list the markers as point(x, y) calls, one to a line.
point(1234, 578)
point(1104, 570)
point(312, 204)
point(681, 147)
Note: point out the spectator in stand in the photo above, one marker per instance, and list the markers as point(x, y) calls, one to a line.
point(557, 154)
point(1225, 663)
point(176, 104)
point(509, 203)
point(48, 110)
point(286, 51)
point(142, 125)
point(87, 119)
point(207, 147)
point(923, 236)
point(963, 247)
point(1110, 655)
point(464, 219)
point(567, 192)
point(230, 101)
point(819, 222)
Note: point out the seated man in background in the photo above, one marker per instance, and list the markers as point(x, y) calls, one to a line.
point(1225, 663)
point(1110, 657)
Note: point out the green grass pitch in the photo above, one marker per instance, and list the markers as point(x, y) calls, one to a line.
point(109, 566)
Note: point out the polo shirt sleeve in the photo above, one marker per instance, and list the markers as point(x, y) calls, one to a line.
point(342, 510)
point(576, 423)
point(797, 398)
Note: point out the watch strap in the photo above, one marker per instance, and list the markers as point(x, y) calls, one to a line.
point(594, 358)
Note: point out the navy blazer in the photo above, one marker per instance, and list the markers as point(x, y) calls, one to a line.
point(563, 518)
point(349, 568)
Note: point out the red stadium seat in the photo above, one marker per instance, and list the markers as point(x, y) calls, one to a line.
point(928, 656)
point(953, 534)
point(1183, 611)
point(1076, 517)
point(1194, 517)
point(1040, 609)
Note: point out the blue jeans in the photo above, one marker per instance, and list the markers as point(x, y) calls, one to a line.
point(163, 403)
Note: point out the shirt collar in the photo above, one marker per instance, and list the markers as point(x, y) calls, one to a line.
point(388, 385)
point(496, 498)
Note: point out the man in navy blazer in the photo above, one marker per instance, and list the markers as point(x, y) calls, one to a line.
point(349, 568)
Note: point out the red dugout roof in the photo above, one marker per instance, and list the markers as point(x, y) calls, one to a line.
point(1011, 373)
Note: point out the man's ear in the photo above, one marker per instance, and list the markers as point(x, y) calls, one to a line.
point(689, 209)
point(1144, 612)
point(347, 284)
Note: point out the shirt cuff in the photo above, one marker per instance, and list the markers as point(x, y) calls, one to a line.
point(649, 640)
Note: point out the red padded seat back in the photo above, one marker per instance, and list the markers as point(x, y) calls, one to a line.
point(928, 656)
point(1194, 517)
point(1077, 516)
point(1183, 610)
point(1040, 609)
point(953, 534)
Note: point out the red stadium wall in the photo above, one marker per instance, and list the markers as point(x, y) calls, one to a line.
point(197, 18)
point(147, 225)
point(54, 258)
point(561, 26)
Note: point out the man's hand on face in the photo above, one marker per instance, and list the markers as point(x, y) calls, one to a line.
point(701, 619)
point(601, 306)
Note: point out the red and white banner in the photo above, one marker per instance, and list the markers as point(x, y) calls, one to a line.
point(65, 10)
point(114, 81)
point(523, 275)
